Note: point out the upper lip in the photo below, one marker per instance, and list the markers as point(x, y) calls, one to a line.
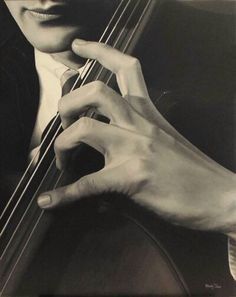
point(59, 9)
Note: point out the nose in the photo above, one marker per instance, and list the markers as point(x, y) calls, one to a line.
point(46, 3)
point(52, 1)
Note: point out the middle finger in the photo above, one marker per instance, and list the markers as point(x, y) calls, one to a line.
point(101, 97)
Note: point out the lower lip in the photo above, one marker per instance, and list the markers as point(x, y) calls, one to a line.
point(43, 16)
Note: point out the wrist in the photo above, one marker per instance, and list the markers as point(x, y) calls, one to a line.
point(223, 209)
point(229, 205)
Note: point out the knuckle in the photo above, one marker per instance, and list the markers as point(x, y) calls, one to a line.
point(82, 185)
point(60, 106)
point(58, 163)
point(63, 109)
point(63, 142)
point(152, 131)
point(98, 87)
point(59, 144)
point(85, 124)
point(100, 48)
point(103, 45)
point(133, 62)
point(97, 46)
point(86, 185)
point(149, 145)
point(139, 169)
point(92, 183)
point(141, 165)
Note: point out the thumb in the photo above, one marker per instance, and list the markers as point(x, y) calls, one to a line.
point(95, 183)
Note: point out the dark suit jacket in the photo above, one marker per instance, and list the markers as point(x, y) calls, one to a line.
point(191, 53)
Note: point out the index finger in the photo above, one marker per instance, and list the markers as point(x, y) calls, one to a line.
point(126, 68)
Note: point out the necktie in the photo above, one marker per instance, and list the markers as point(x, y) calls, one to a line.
point(68, 80)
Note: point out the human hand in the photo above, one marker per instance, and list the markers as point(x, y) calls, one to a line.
point(145, 157)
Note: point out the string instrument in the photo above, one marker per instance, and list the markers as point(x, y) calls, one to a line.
point(95, 247)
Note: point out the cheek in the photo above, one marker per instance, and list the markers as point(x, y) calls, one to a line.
point(15, 7)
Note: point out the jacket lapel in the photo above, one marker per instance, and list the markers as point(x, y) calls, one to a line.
point(18, 103)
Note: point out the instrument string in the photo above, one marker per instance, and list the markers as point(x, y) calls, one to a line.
point(23, 216)
point(123, 50)
point(57, 116)
point(42, 211)
point(46, 151)
point(102, 68)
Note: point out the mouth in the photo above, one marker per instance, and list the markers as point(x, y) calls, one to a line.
point(48, 14)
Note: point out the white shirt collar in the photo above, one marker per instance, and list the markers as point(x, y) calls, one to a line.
point(46, 62)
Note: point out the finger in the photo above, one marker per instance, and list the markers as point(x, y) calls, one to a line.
point(127, 69)
point(96, 134)
point(105, 180)
point(94, 95)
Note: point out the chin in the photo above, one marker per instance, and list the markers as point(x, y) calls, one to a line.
point(52, 47)
point(55, 41)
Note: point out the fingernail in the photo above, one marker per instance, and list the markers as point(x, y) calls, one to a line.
point(78, 42)
point(44, 201)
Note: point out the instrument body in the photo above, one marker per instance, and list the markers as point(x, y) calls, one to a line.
point(94, 247)
point(90, 251)
point(90, 248)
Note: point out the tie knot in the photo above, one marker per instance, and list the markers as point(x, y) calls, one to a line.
point(68, 79)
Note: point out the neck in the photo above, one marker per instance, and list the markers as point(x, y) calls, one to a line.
point(69, 59)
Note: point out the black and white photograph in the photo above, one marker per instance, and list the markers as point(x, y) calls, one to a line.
point(118, 148)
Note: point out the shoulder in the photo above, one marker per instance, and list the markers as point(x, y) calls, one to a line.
point(17, 70)
point(18, 98)
point(15, 51)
